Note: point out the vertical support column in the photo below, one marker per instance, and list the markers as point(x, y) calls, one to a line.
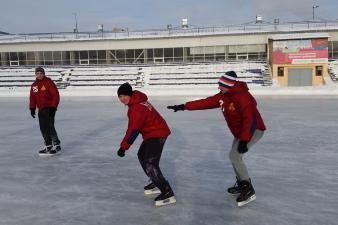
point(145, 56)
point(4, 59)
point(108, 57)
point(72, 58)
point(185, 54)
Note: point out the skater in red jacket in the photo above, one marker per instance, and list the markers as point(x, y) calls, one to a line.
point(44, 95)
point(245, 123)
point(145, 120)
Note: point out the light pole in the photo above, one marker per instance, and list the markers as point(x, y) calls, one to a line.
point(313, 11)
point(76, 29)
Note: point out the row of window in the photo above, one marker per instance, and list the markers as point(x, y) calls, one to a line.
point(130, 56)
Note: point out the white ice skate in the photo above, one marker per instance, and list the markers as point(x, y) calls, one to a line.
point(151, 189)
point(154, 191)
point(165, 199)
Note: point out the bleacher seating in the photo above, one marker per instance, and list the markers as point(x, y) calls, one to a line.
point(152, 75)
point(205, 74)
point(333, 70)
point(107, 76)
point(24, 77)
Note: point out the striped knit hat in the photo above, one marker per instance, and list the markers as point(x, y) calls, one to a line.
point(228, 79)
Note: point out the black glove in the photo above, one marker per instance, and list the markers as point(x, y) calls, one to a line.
point(51, 111)
point(242, 147)
point(33, 112)
point(121, 152)
point(176, 107)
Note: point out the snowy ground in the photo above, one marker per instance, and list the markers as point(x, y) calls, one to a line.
point(294, 167)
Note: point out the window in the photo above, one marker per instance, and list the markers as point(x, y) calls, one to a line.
point(169, 54)
point(178, 54)
point(121, 56)
point(14, 59)
point(4, 58)
point(319, 70)
point(57, 58)
point(130, 56)
point(220, 53)
point(66, 58)
point(92, 57)
point(158, 55)
point(22, 58)
point(139, 56)
point(39, 58)
point(280, 71)
point(102, 57)
point(30, 58)
point(48, 58)
point(149, 55)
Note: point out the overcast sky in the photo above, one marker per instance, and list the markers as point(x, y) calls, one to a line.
point(32, 16)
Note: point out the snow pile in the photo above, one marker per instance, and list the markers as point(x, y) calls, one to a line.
point(333, 69)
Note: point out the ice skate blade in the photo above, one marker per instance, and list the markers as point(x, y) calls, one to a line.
point(164, 202)
point(252, 198)
point(49, 155)
point(152, 191)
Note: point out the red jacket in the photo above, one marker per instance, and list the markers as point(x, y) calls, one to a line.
point(239, 109)
point(43, 94)
point(144, 119)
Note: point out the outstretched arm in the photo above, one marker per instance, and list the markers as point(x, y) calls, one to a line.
point(206, 103)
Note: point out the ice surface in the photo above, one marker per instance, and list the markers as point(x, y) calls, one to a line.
point(294, 167)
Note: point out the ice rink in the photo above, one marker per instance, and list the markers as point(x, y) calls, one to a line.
point(294, 167)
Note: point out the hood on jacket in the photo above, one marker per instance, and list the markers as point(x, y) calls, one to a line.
point(137, 97)
point(238, 87)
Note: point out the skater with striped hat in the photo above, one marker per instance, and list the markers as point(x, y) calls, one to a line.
point(245, 122)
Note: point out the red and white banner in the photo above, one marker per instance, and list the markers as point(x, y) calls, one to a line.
point(300, 51)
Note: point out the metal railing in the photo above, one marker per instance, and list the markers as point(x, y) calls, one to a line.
point(194, 31)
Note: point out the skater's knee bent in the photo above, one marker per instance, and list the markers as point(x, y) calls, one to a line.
point(152, 170)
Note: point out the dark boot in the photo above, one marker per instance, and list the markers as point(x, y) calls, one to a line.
point(236, 189)
point(45, 151)
point(166, 197)
point(247, 193)
point(151, 189)
point(56, 149)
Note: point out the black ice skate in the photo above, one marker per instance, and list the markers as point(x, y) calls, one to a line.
point(55, 150)
point(247, 193)
point(151, 189)
point(165, 198)
point(236, 189)
point(45, 151)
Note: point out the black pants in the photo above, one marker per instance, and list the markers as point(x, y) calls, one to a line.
point(149, 156)
point(47, 127)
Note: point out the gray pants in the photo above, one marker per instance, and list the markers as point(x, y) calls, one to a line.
point(237, 159)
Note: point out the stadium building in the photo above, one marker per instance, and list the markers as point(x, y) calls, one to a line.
point(290, 54)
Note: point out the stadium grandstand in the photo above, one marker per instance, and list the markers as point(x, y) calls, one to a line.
point(285, 54)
